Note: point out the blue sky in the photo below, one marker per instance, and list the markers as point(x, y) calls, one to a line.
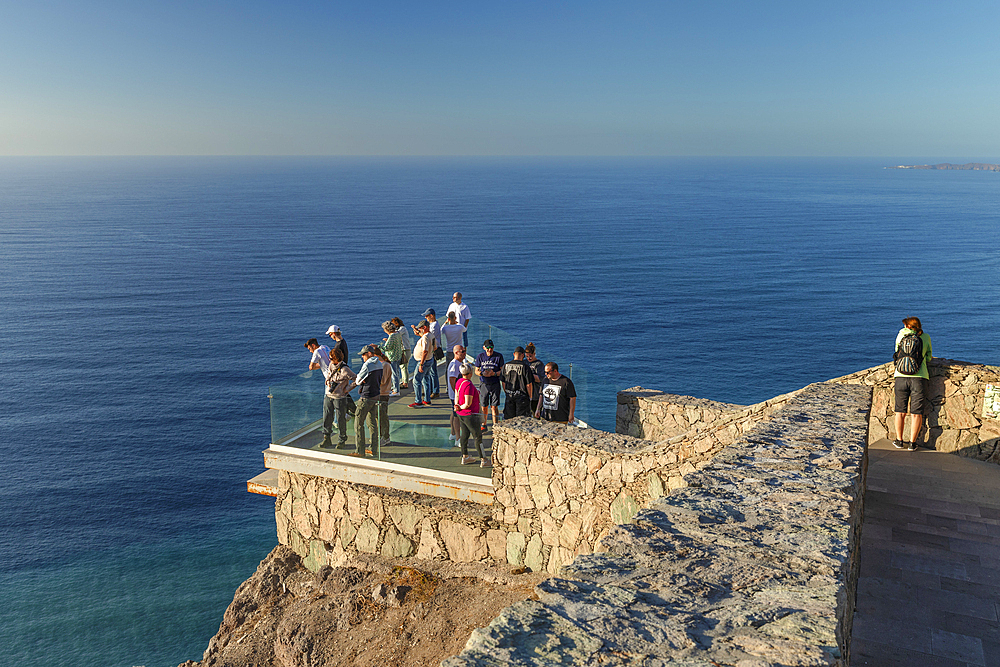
point(504, 78)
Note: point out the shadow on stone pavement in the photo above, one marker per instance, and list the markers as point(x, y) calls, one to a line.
point(929, 591)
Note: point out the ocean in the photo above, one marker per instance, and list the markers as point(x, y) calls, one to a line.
point(148, 303)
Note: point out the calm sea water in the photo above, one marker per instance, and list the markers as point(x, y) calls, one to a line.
point(148, 303)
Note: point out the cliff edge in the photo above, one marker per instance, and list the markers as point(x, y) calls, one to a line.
point(373, 612)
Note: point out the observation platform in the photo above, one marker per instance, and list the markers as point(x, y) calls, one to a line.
point(420, 456)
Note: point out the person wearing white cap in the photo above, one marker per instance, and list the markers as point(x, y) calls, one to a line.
point(334, 333)
point(462, 315)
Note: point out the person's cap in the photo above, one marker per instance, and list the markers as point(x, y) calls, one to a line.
point(368, 349)
point(488, 343)
point(388, 325)
point(429, 311)
point(422, 323)
point(333, 329)
point(518, 350)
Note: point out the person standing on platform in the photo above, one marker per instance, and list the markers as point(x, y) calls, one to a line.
point(423, 354)
point(452, 334)
point(404, 361)
point(558, 402)
point(913, 351)
point(488, 367)
point(385, 391)
point(368, 381)
point(462, 315)
point(467, 409)
point(334, 333)
point(538, 373)
point(392, 347)
point(435, 327)
point(517, 379)
point(335, 400)
point(452, 375)
point(320, 356)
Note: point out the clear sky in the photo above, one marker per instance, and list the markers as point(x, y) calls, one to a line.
point(700, 77)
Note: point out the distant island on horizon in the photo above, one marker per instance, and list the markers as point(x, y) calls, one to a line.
point(974, 166)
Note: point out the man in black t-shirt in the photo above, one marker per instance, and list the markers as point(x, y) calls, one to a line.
point(538, 372)
point(339, 343)
point(558, 402)
point(517, 378)
point(488, 367)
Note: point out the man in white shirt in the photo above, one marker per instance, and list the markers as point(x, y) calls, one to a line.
point(320, 356)
point(462, 314)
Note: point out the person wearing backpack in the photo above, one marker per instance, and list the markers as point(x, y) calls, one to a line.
point(913, 351)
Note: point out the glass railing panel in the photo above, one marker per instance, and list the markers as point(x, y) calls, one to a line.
point(297, 403)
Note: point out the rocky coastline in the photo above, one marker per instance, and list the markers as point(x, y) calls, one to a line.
point(968, 166)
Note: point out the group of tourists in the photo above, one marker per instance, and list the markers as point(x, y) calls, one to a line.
point(529, 387)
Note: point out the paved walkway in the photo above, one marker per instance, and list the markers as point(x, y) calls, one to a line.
point(929, 593)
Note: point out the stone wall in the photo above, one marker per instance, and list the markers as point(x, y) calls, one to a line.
point(560, 489)
point(656, 415)
point(954, 417)
point(754, 562)
point(322, 520)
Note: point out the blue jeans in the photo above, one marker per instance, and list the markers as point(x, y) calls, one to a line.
point(422, 381)
point(435, 377)
point(396, 372)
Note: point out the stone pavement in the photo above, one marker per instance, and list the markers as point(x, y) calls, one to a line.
point(929, 592)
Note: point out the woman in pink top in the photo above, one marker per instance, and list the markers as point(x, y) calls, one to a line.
point(469, 417)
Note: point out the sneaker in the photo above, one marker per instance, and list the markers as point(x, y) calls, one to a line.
point(483, 463)
point(483, 428)
point(368, 451)
point(898, 444)
point(342, 445)
point(427, 402)
point(356, 454)
point(415, 405)
point(326, 442)
point(451, 437)
point(384, 443)
point(910, 446)
point(468, 460)
point(394, 394)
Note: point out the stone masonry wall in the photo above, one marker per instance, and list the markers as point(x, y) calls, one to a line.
point(754, 562)
point(954, 417)
point(560, 489)
point(322, 519)
point(656, 415)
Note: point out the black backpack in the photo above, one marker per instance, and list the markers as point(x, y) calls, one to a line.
point(909, 354)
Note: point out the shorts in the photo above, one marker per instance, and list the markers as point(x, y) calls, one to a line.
point(909, 389)
point(490, 395)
